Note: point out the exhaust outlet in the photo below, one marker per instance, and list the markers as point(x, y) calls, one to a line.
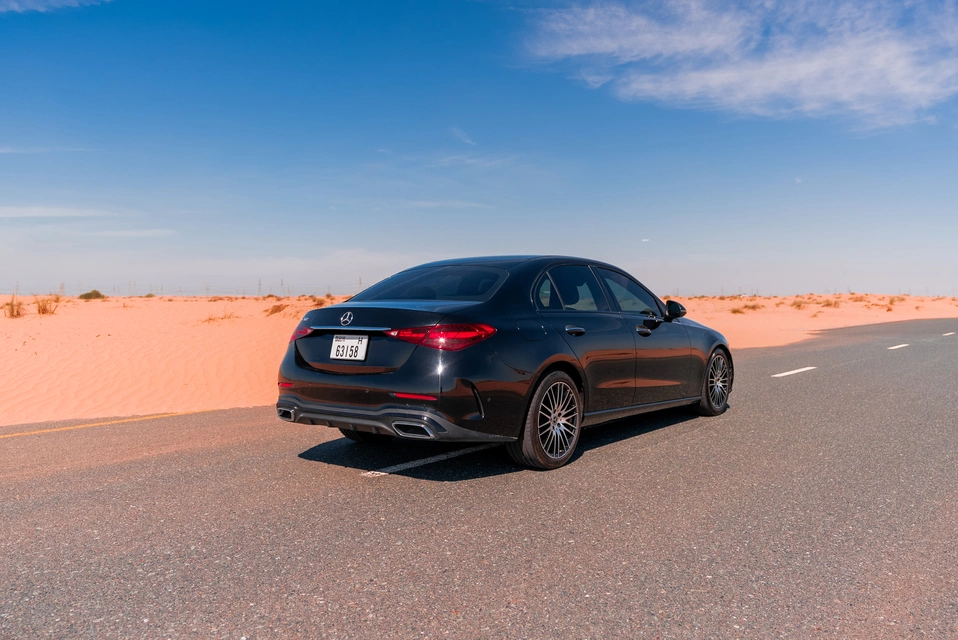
point(285, 414)
point(413, 430)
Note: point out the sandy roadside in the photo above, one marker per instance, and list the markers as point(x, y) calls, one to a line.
point(137, 356)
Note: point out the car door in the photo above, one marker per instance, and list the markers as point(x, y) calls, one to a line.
point(570, 299)
point(662, 348)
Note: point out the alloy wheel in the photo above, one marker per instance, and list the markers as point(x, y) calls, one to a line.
point(718, 381)
point(558, 419)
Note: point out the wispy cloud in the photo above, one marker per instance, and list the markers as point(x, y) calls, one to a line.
point(12, 150)
point(883, 62)
point(462, 135)
point(133, 233)
point(53, 212)
point(444, 204)
point(468, 160)
point(44, 5)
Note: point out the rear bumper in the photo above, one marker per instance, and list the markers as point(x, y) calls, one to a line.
point(404, 422)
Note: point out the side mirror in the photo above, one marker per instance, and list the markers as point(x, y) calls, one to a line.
point(674, 310)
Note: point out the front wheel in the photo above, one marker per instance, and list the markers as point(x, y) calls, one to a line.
point(716, 386)
point(552, 427)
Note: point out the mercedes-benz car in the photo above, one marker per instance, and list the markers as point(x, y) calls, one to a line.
point(522, 350)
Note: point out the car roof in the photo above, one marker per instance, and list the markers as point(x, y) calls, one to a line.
point(507, 262)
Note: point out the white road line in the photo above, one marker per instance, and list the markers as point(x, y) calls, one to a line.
point(385, 471)
point(791, 373)
point(898, 346)
point(950, 333)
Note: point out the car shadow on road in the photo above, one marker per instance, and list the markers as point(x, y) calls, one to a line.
point(650, 428)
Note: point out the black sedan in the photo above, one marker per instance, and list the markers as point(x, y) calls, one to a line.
point(521, 350)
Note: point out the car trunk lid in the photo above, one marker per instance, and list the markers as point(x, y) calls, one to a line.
point(345, 325)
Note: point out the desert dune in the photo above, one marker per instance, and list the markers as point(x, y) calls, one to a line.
point(138, 356)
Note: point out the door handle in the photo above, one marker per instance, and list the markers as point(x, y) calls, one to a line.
point(643, 330)
point(573, 330)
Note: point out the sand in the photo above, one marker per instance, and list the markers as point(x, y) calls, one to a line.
point(140, 356)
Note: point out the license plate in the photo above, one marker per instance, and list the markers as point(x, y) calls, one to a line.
point(346, 347)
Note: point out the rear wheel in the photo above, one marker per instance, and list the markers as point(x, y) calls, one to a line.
point(716, 386)
point(552, 427)
point(365, 437)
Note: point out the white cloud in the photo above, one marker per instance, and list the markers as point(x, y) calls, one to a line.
point(133, 233)
point(444, 204)
point(883, 62)
point(52, 212)
point(43, 5)
point(462, 135)
point(11, 150)
point(468, 160)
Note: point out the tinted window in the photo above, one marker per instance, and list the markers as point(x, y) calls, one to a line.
point(578, 289)
point(630, 295)
point(546, 297)
point(457, 282)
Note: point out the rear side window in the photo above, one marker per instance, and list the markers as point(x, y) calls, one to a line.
point(577, 288)
point(454, 282)
point(630, 295)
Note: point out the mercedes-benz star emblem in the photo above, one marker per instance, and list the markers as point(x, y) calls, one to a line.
point(346, 319)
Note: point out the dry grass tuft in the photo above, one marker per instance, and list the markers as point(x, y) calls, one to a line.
point(831, 303)
point(14, 308)
point(276, 308)
point(799, 304)
point(47, 306)
point(229, 315)
point(754, 307)
point(737, 310)
point(859, 299)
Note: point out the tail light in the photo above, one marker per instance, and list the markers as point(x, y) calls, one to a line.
point(300, 333)
point(445, 337)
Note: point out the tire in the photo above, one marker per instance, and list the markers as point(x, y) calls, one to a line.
point(553, 424)
point(364, 437)
point(717, 385)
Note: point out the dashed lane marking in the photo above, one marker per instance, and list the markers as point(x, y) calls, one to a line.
point(95, 424)
point(898, 346)
point(385, 471)
point(791, 373)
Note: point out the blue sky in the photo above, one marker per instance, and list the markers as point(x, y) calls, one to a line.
point(770, 147)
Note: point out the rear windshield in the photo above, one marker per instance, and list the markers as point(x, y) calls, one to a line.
point(458, 282)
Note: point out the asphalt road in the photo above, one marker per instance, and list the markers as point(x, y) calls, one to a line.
point(823, 503)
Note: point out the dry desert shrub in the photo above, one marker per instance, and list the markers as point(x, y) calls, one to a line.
point(276, 308)
point(14, 308)
point(859, 299)
point(226, 316)
point(754, 307)
point(47, 306)
point(737, 310)
point(92, 295)
point(831, 303)
point(798, 304)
